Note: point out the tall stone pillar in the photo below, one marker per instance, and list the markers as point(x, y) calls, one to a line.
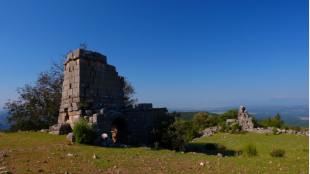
point(90, 84)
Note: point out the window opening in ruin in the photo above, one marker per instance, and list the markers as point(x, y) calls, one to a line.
point(119, 131)
point(67, 114)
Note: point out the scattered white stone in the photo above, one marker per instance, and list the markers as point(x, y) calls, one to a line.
point(220, 155)
point(270, 162)
point(201, 163)
point(208, 162)
point(70, 154)
point(2, 168)
point(95, 156)
point(104, 136)
point(4, 172)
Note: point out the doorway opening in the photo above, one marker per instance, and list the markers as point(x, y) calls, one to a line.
point(119, 131)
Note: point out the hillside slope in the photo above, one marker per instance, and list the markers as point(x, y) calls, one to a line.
point(42, 152)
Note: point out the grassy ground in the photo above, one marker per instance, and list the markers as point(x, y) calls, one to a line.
point(42, 152)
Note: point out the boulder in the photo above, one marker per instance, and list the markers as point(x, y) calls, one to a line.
point(60, 129)
point(104, 136)
point(71, 137)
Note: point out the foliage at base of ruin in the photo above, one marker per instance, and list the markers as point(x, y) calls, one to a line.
point(84, 133)
point(169, 132)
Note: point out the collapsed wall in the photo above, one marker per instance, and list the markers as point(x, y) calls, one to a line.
point(93, 90)
point(244, 121)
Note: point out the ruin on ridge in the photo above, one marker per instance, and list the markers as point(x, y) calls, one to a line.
point(93, 89)
point(244, 121)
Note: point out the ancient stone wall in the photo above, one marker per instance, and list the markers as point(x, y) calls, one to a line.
point(244, 120)
point(92, 89)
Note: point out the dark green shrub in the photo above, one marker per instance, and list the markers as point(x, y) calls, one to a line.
point(83, 132)
point(227, 129)
point(156, 145)
point(232, 131)
point(277, 152)
point(173, 139)
point(235, 126)
point(221, 147)
point(284, 127)
point(190, 131)
point(210, 146)
point(169, 131)
point(250, 150)
point(274, 131)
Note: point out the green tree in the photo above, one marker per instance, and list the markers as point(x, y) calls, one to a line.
point(255, 122)
point(284, 127)
point(190, 130)
point(274, 122)
point(230, 114)
point(37, 106)
point(266, 123)
point(129, 90)
point(204, 120)
point(169, 131)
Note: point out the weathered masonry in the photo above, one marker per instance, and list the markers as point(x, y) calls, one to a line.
point(244, 121)
point(92, 89)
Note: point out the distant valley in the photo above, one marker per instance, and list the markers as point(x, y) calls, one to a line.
point(292, 115)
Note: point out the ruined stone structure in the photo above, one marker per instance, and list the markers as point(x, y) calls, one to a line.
point(244, 121)
point(92, 89)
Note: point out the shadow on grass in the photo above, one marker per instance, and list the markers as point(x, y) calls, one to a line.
point(200, 148)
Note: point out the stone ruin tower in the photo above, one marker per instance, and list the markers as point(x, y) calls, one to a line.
point(244, 120)
point(93, 89)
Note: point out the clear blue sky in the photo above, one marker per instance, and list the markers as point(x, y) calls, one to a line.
point(177, 53)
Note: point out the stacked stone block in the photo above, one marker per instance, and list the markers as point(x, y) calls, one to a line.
point(93, 90)
point(244, 120)
point(89, 84)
